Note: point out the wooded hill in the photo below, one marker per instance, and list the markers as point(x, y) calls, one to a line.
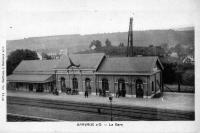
point(78, 42)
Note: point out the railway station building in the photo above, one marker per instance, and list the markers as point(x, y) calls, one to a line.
point(97, 73)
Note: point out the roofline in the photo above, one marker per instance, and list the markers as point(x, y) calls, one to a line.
point(101, 61)
point(113, 73)
point(33, 73)
point(49, 79)
point(24, 81)
point(160, 63)
point(74, 69)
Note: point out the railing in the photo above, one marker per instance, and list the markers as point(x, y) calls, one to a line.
point(168, 88)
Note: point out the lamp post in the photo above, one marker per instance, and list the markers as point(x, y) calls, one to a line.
point(110, 98)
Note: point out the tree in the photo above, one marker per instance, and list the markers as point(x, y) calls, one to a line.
point(179, 49)
point(108, 43)
point(188, 77)
point(45, 56)
point(121, 45)
point(17, 56)
point(165, 46)
point(169, 72)
point(96, 45)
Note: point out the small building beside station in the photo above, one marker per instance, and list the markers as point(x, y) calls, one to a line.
point(95, 72)
point(33, 75)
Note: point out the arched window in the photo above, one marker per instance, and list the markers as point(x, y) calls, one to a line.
point(105, 85)
point(75, 83)
point(121, 87)
point(139, 88)
point(62, 84)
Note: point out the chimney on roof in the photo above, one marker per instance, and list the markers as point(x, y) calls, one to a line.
point(129, 52)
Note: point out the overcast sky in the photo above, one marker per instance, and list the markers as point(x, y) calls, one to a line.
point(30, 18)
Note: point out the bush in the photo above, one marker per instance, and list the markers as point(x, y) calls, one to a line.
point(188, 77)
point(169, 73)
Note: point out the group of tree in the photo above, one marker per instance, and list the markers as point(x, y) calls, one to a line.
point(120, 50)
point(173, 73)
point(178, 73)
point(17, 56)
point(182, 50)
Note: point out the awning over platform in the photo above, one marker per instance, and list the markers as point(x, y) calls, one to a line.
point(30, 78)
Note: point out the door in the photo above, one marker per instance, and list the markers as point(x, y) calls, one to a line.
point(62, 84)
point(40, 88)
point(139, 88)
point(121, 88)
point(75, 86)
point(105, 86)
point(30, 86)
point(87, 85)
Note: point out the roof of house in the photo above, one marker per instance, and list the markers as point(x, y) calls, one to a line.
point(36, 66)
point(86, 61)
point(129, 64)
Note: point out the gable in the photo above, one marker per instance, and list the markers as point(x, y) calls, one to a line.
point(86, 61)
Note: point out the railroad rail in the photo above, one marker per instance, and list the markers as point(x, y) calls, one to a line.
point(17, 117)
point(135, 113)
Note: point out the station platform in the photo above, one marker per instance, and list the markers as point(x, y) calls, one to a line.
point(169, 100)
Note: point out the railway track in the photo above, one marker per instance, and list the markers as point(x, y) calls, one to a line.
point(17, 117)
point(136, 113)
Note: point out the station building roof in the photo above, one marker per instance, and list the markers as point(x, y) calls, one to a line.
point(36, 67)
point(143, 64)
point(40, 71)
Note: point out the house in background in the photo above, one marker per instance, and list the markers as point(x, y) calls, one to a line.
point(100, 75)
point(189, 59)
point(174, 54)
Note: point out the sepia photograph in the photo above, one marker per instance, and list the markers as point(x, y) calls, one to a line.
point(96, 62)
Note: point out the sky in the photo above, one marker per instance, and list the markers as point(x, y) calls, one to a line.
point(32, 18)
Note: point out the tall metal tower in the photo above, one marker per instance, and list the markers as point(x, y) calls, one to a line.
point(129, 52)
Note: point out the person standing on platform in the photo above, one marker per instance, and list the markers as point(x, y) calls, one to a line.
point(86, 93)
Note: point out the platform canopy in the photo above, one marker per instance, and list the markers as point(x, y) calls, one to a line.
point(30, 78)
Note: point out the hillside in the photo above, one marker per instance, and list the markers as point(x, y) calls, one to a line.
point(80, 42)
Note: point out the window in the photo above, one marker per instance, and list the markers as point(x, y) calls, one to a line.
point(152, 86)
